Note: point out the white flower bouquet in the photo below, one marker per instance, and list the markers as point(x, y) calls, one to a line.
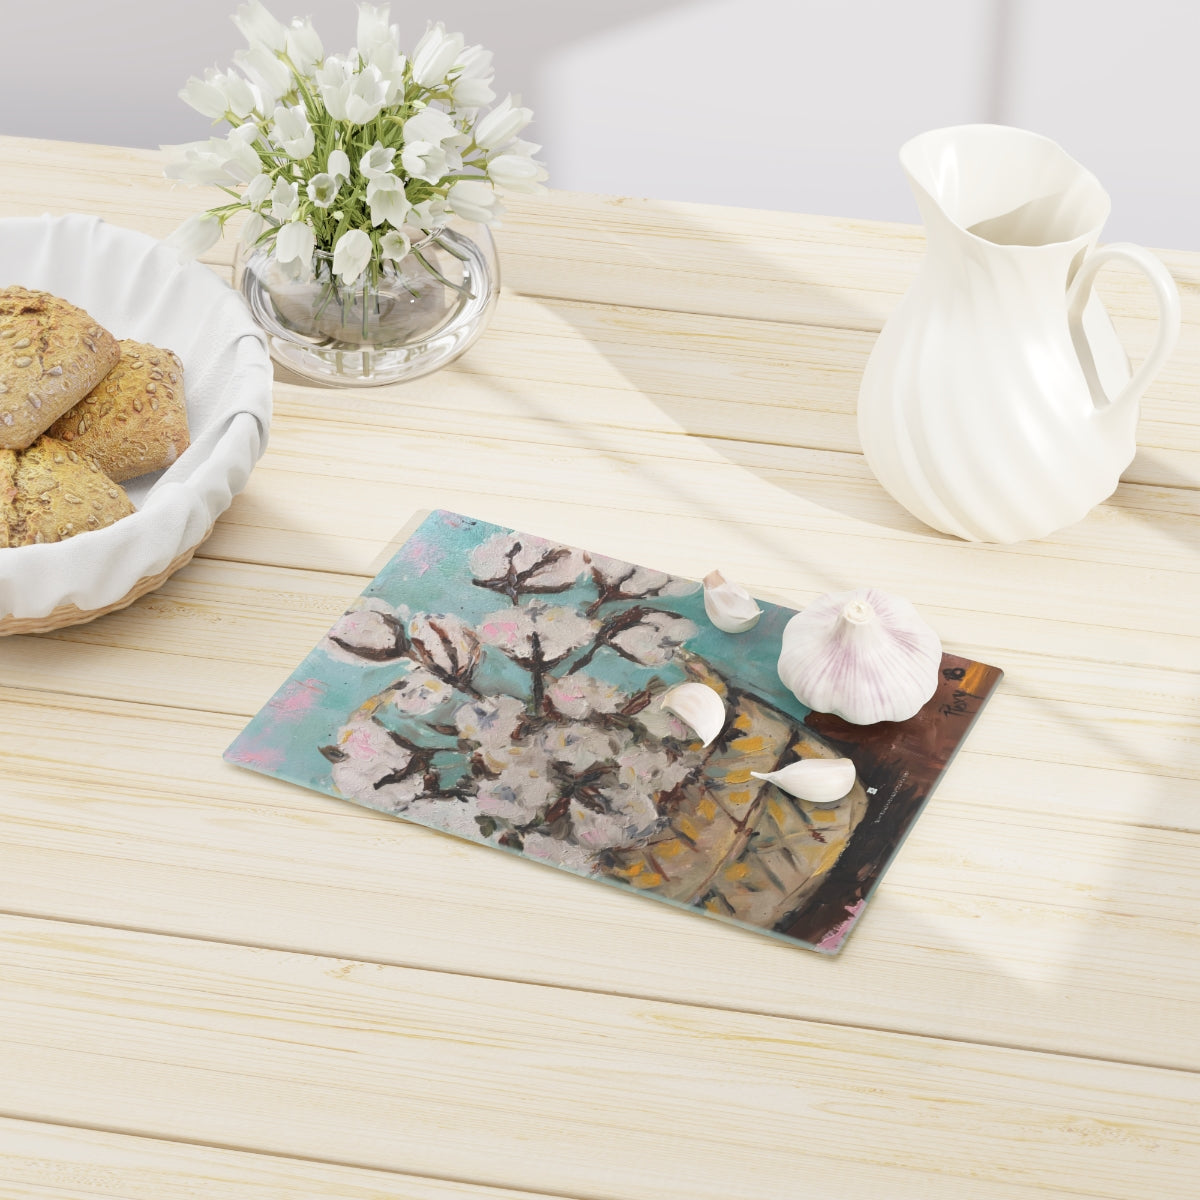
point(353, 161)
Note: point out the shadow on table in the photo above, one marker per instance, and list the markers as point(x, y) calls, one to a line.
point(1104, 902)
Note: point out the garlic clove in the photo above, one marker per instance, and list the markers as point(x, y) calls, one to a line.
point(699, 705)
point(865, 656)
point(729, 606)
point(817, 780)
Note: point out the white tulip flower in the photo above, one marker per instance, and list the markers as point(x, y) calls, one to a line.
point(304, 46)
point(516, 173)
point(395, 245)
point(351, 255)
point(268, 73)
point(429, 214)
point(322, 189)
point(373, 30)
point(424, 160)
point(377, 161)
point(387, 201)
point(294, 242)
point(473, 73)
point(252, 228)
point(204, 97)
point(216, 160)
point(284, 199)
point(292, 132)
point(259, 190)
point(242, 161)
point(367, 96)
point(197, 162)
point(431, 125)
point(334, 79)
point(390, 63)
point(259, 27)
point(289, 95)
point(338, 165)
point(195, 235)
point(502, 124)
point(435, 54)
point(474, 199)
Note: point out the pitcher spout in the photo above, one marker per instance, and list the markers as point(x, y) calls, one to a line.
point(1004, 187)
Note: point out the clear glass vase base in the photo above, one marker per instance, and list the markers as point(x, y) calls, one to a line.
point(410, 322)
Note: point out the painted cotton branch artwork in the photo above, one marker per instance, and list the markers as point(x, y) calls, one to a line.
point(507, 689)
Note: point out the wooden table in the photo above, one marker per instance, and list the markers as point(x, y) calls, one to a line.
point(213, 984)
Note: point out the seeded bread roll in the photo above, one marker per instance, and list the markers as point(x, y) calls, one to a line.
point(51, 355)
point(49, 492)
point(8, 496)
point(135, 419)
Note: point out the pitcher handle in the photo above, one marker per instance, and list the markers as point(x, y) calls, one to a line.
point(1165, 292)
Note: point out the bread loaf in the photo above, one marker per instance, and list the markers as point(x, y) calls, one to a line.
point(50, 492)
point(135, 419)
point(51, 355)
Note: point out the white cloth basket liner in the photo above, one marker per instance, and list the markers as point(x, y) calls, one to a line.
point(138, 288)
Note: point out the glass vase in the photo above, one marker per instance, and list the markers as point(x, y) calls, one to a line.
point(414, 316)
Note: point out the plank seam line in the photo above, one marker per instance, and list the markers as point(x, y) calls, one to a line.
point(1141, 1064)
point(147, 1136)
point(364, 422)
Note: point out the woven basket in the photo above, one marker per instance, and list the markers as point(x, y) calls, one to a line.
point(138, 288)
point(68, 614)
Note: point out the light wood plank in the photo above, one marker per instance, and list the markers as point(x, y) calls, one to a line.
point(401, 1070)
point(1145, 520)
point(587, 254)
point(732, 378)
point(327, 497)
point(58, 1162)
point(222, 636)
point(1011, 915)
point(611, 250)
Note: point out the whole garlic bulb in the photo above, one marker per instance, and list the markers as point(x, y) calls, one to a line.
point(864, 656)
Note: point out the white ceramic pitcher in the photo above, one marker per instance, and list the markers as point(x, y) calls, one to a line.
point(998, 404)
